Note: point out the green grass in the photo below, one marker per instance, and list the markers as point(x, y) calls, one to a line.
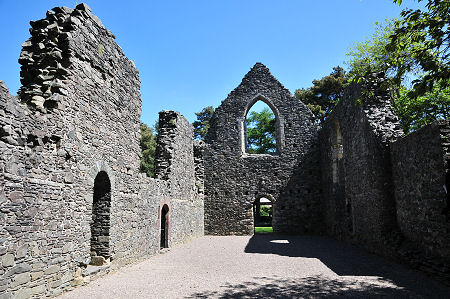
point(263, 230)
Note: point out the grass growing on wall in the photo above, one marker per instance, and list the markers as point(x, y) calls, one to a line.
point(263, 230)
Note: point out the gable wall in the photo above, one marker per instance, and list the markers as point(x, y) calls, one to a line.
point(234, 179)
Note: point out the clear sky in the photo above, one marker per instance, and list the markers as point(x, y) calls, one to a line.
point(192, 53)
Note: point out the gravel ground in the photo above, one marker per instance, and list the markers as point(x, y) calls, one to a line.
point(263, 266)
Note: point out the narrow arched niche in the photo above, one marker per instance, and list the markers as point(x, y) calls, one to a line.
point(100, 224)
point(164, 227)
point(275, 133)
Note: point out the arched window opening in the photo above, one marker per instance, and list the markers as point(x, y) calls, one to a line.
point(100, 224)
point(263, 215)
point(164, 235)
point(260, 129)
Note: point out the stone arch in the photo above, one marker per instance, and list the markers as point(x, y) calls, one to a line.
point(279, 123)
point(101, 219)
point(100, 168)
point(92, 174)
point(164, 224)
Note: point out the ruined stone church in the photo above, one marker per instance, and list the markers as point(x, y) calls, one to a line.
point(73, 203)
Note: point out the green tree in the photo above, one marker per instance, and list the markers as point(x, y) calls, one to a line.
point(201, 125)
point(261, 132)
point(415, 113)
point(148, 146)
point(430, 35)
point(372, 55)
point(324, 94)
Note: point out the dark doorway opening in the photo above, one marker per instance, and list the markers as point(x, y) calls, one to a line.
point(100, 224)
point(263, 215)
point(164, 241)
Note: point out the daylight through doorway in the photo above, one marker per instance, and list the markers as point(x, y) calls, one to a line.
point(263, 215)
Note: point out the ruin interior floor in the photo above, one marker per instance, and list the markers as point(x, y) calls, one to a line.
point(263, 266)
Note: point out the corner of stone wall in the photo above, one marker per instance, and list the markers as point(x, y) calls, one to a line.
point(377, 106)
point(174, 154)
point(421, 163)
point(359, 196)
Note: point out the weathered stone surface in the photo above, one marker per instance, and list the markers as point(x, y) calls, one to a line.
point(78, 115)
point(36, 275)
point(234, 179)
point(422, 184)
point(21, 268)
point(7, 260)
point(52, 269)
point(20, 279)
point(355, 162)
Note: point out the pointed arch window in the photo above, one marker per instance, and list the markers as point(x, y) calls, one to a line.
point(261, 128)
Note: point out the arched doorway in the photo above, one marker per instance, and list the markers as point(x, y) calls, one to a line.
point(164, 235)
point(263, 214)
point(100, 224)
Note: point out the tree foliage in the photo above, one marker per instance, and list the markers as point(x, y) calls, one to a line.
point(261, 132)
point(429, 33)
point(148, 146)
point(201, 125)
point(415, 113)
point(373, 55)
point(325, 93)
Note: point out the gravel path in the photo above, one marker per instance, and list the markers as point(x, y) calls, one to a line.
point(263, 266)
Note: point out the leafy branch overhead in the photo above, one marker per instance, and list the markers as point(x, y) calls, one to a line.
point(429, 33)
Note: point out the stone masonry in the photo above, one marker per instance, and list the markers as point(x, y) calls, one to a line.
point(70, 187)
point(73, 204)
point(234, 179)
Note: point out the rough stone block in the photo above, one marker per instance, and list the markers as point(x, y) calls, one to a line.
point(20, 279)
point(52, 269)
point(8, 260)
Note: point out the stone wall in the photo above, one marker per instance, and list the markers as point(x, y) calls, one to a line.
point(420, 165)
point(76, 119)
point(355, 161)
point(234, 179)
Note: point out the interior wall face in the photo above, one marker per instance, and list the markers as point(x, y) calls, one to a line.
point(421, 188)
point(77, 118)
point(234, 179)
point(357, 187)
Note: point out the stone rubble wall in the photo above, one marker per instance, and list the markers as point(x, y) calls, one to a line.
point(420, 162)
point(235, 179)
point(77, 114)
point(386, 192)
point(359, 202)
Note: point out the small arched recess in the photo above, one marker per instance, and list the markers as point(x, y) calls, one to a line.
point(279, 124)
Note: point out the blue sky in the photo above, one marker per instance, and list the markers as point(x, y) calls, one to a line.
point(191, 54)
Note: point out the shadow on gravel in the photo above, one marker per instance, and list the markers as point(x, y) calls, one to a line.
point(308, 287)
point(345, 260)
